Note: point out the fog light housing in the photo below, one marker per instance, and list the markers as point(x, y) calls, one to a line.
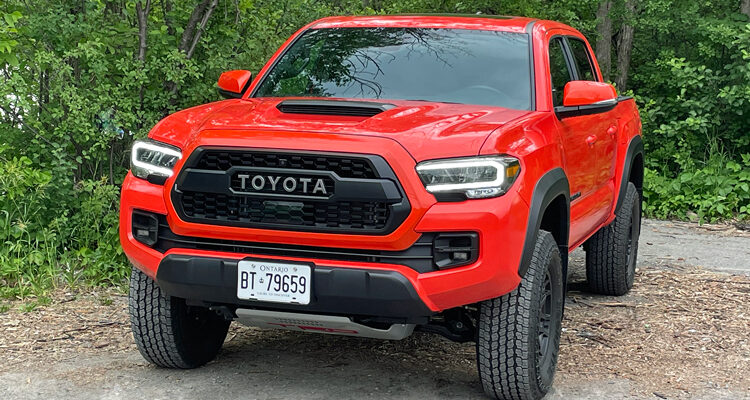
point(145, 227)
point(452, 250)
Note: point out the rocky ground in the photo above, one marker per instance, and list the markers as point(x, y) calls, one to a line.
point(683, 332)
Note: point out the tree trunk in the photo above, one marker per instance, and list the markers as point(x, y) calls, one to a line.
point(625, 46)
point(604, 41)
point(745, 7)
point(142, 14)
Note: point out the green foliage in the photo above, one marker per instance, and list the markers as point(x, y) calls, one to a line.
point(74, 94)
point(714, 191)
point(8, 30)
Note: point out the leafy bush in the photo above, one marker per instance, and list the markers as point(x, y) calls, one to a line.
point(75, 92)
point(718, 190)
point(46, 241)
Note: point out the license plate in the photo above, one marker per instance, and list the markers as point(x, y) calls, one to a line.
point(277, 282)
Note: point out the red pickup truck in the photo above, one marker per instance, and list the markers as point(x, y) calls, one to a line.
point(387, 174)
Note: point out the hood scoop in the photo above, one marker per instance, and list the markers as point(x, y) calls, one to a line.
point(334, 107)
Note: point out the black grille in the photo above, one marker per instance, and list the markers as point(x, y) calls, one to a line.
point(418, 257)
point(346, 193)
point(246, 210)
point(345, 167)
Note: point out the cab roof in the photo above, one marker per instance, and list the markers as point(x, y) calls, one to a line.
point(449, 21)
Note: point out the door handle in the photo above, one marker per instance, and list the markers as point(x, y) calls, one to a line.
point(612, 130)
point(591, 140)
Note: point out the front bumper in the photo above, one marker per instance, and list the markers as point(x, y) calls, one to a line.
point(345, 291)
point(499, 222)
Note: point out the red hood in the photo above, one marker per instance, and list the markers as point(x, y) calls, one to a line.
point(426, 130)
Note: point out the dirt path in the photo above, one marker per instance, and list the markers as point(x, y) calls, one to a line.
point(682, 333)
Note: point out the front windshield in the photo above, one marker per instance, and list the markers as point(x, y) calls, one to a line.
point(443, 65)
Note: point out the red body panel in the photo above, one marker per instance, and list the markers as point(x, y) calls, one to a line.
point(405, 135)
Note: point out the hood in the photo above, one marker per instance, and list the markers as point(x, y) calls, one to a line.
point(427, 130)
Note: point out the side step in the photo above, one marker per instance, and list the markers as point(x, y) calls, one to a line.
point(328, 324)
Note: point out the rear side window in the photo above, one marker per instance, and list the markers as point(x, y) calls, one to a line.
point(582, 60)
point(559, 71)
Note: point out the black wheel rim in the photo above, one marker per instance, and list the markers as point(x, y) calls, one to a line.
point(633, 233)
point(544, 325)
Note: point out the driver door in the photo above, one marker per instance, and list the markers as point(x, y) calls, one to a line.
point(581, 137)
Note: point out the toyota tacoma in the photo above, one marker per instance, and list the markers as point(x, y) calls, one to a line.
point(387, 174)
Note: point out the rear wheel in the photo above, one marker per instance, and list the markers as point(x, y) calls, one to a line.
point(519, 333)
point(612, 252)
point(168, 332)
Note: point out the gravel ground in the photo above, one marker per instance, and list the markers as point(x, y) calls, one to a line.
point(683, 332)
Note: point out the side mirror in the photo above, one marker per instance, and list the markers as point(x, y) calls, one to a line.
point(586, 97)
point(234, 84)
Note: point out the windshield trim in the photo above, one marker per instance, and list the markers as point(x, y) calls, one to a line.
point(528, 31)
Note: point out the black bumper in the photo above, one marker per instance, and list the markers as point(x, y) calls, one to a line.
point(386, 295)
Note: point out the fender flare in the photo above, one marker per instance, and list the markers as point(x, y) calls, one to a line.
point(551, 185)
point(635, 148)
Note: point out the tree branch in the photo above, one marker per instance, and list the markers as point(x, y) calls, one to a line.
point(188, 33)
point(201, 27)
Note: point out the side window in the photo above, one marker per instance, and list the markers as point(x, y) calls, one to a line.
point(558, 68)
point(582, 59)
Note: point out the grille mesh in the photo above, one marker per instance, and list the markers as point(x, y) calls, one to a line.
point(345, 167)
point(244, 210)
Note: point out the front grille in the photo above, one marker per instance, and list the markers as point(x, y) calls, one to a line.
point(345, 167)
point(418, 257)
point(243, 209)
point(337, 193)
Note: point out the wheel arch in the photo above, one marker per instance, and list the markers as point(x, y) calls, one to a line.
point(549, 210)
point(632, 170)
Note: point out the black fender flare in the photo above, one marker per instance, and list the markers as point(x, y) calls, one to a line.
point(551, 185)
point(635, 148)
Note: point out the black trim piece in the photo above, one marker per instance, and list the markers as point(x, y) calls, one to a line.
point(635, 147)
point(529, 31)
point(337, 291)
point(446, 245)
point(419, 257)
point(552, 184)
point(588, 109)
point(570, 60)
point(343, 189)
point(624, 98)
point(156, 179)
point(142, 221)
point(333, 107)
point(574, 196)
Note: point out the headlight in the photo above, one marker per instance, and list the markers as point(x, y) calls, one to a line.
point(149, 157)
point(473, 177)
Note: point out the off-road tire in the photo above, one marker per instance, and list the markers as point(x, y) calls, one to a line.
point(514, 359)
point(612, 252)
point(168, 332)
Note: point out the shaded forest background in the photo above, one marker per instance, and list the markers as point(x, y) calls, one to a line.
point(80, 80)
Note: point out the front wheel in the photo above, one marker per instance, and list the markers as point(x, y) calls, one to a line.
point(168, 332)
point(519, 333)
